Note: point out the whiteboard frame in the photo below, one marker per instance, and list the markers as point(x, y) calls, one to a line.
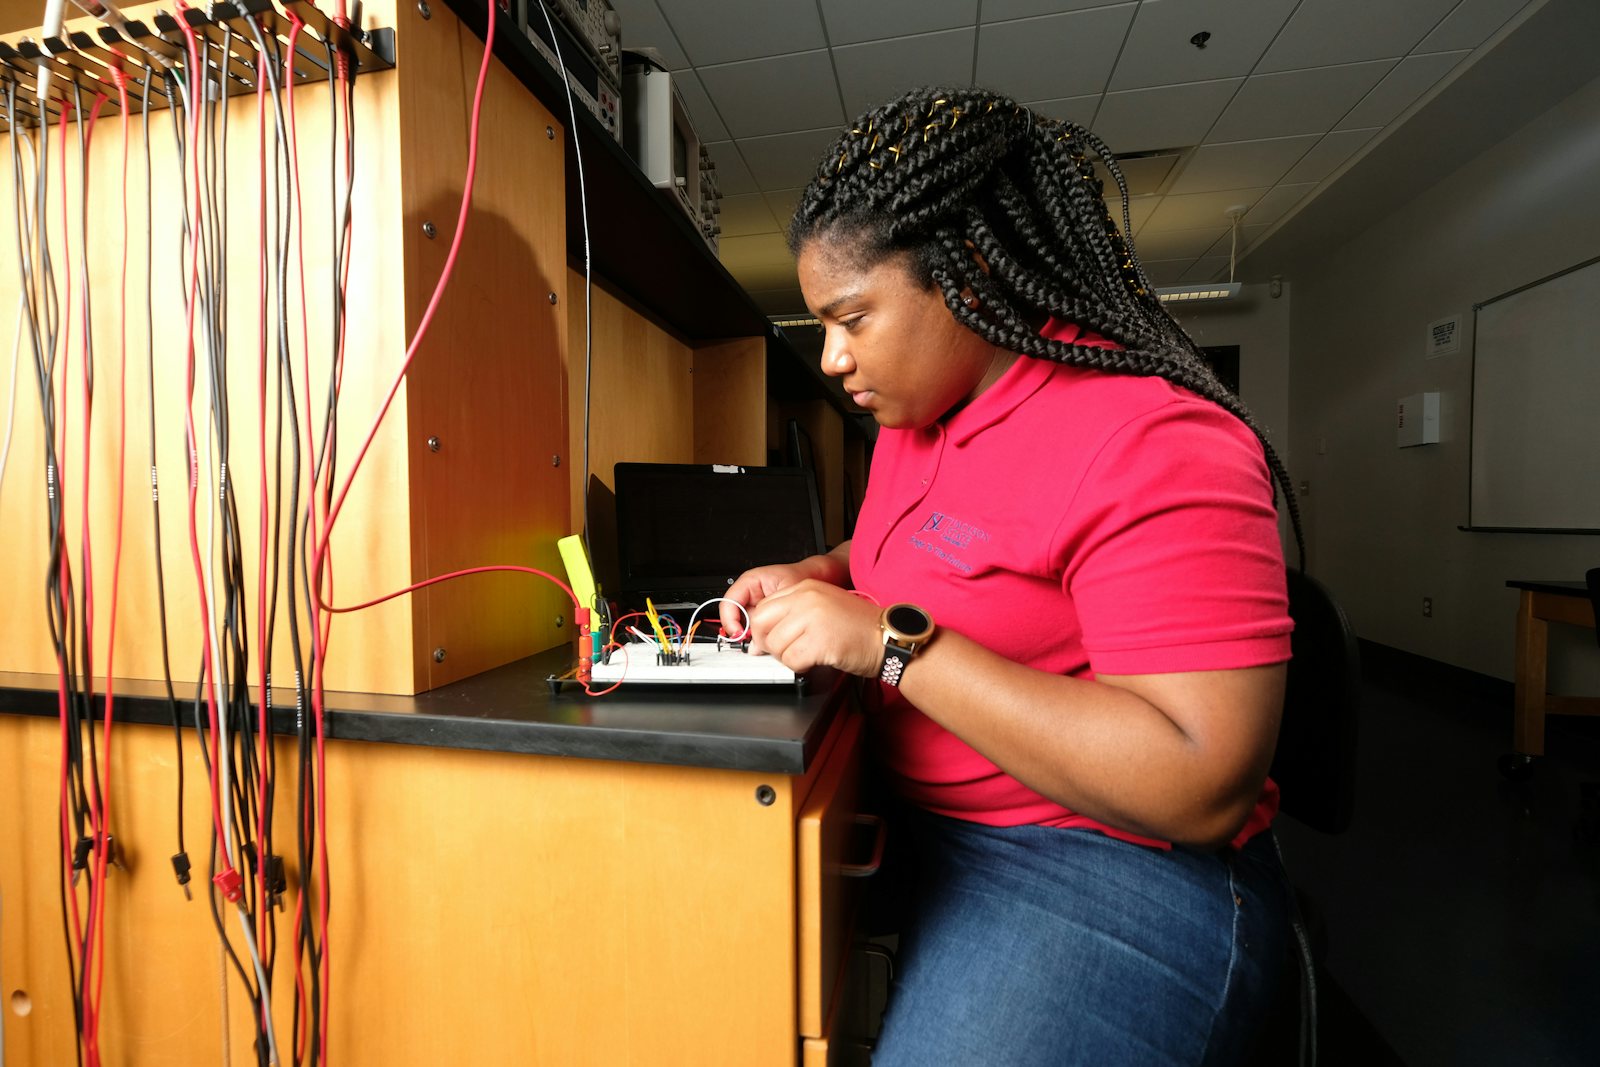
point(1472, 411)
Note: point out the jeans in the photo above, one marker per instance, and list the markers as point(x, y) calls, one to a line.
point(1034, 945)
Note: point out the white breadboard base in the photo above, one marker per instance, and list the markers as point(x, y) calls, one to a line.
point(636, 662)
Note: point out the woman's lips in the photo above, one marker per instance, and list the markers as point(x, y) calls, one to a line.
point(860, 399)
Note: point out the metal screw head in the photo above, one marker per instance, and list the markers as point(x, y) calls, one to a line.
point(765, 795)
point(555, 461)
point(424, 10)
point(561, 620)
point(433, 444)
point(552, 298)
point(550, 133)
point(429, 230)
point(438, 655)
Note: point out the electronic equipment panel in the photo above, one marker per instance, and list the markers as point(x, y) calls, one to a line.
point(595, 84)
point(598, 26)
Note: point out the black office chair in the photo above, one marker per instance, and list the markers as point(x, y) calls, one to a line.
point(1315, 762)
point(1315, 768)
point(1591, 578)
point(1587, 828)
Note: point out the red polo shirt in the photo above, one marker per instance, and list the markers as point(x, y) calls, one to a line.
point(1078, 522)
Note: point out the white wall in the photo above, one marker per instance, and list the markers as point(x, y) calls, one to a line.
point(1385, 519)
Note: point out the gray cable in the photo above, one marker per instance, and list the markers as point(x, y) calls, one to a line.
point(1308, 966)
point(26, 224)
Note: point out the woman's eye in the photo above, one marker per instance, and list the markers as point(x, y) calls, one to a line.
point(851, 324)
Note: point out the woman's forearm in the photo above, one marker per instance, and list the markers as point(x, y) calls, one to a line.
point(1190, 774)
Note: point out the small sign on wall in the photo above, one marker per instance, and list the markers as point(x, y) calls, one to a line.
point(1444, 337)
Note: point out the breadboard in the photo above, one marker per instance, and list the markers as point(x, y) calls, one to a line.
point(708, 665)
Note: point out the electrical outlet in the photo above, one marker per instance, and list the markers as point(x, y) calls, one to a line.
point(1427, 607)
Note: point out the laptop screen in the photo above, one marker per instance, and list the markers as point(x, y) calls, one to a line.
point(686, 531)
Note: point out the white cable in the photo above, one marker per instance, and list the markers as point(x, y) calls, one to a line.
point(261, 980)
point(714, 600)
point(1233, 247)
point(54, 10)
point(588, 271)
point(26, 222)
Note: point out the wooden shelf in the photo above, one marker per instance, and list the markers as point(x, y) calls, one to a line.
point(639, 241)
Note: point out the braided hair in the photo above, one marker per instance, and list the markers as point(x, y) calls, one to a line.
point(941, 174)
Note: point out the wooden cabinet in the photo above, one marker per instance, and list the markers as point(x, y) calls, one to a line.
point(488, 908)
point(486, 384)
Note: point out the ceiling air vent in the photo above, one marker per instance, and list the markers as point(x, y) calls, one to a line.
point(1145, 172)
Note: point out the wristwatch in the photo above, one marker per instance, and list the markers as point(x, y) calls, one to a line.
point(905, 629)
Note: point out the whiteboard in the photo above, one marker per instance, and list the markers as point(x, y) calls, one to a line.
point(1536, 406)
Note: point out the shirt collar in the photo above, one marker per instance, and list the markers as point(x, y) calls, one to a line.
point(1021, 380)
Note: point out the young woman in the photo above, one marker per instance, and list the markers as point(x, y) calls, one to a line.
point(1079, 661)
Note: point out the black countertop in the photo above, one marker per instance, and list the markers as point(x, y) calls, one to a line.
point(775, 730)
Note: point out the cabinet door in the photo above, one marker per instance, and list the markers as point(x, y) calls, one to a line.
point(825, 891)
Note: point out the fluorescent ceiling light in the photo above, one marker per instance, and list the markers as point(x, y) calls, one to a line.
point(1189, 294)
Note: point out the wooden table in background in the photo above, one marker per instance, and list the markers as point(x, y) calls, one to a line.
point(1542, 604)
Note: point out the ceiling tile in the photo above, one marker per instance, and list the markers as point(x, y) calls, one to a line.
point(1196, 211)
point(1164, 272)
point(788, 160)
point(744, 96)
point(1140, 209)
point(1052, 57)
point(782, 204)
point(720, 31)
point(1144, 175)
point(1349, 31)
point(1079, 109)
point(1174, 116)
point(1206, 269)
point(1273, 206)
point(1328, 155)
point(1470, 24)
point(875, 73)
point(1301, 101)
point(1241, 164)
point(733, 177)
point(1414, 76)
point(643, 27)
point(746, 214)
point(1004, 10)
point(1158, 51)
point(760, 261)
point(1247, 234)
point(851, 21)
point(702, 113)
point(1178, 244)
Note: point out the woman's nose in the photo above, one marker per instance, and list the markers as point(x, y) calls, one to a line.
point(836, 358)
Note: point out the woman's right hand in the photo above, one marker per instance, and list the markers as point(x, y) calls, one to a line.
point(758, 583)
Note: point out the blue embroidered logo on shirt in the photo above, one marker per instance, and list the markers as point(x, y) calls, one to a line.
point(952, 531)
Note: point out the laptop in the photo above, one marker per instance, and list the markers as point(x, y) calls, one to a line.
point(686, 531)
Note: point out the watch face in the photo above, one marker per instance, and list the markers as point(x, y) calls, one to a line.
point(909, 621)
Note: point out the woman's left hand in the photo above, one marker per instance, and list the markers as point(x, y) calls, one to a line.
point(813, 623)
